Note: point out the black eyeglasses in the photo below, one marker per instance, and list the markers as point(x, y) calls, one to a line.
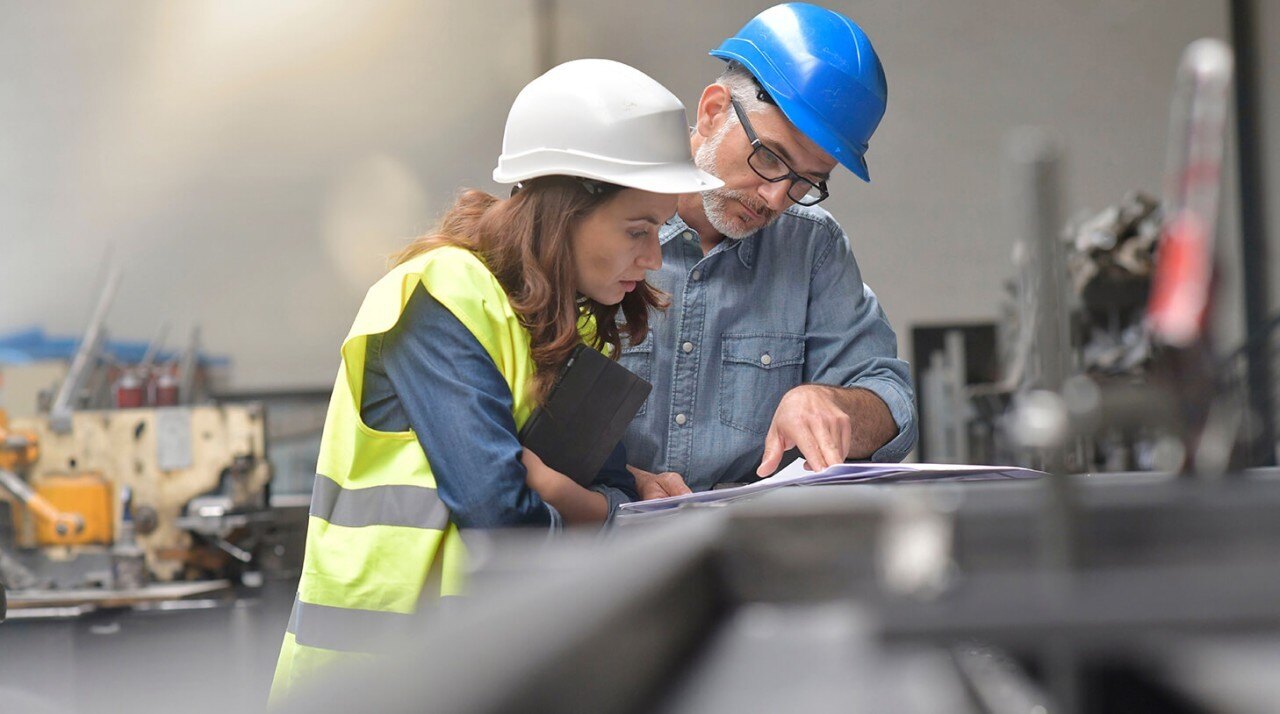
point(770, 167)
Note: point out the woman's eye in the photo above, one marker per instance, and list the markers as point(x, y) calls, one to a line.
point(638, 234)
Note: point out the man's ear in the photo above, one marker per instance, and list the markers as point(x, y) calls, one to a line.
point(713, 109)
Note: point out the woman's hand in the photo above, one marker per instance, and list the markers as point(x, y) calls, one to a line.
point(575, 503)
point(549, 483)
point(650, 485)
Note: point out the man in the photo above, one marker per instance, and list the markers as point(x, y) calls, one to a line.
point(772, 341)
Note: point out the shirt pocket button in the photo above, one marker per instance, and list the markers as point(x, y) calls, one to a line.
point(756, 370)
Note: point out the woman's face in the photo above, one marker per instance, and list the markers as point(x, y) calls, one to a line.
point(616, 243)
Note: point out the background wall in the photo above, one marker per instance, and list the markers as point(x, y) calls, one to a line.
point(252, 163)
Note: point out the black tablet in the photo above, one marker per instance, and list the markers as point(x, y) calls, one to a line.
point(585, 415)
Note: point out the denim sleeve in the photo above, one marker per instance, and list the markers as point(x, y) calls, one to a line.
point(615, 482)
point(850, 342)
point(459, 406)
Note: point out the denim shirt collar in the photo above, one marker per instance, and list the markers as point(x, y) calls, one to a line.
point(746, 247)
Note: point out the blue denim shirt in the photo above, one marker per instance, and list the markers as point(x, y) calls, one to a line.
point(748, 321)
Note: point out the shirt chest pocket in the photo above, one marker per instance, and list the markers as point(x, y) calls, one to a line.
point(639, 360)
point(755, 371)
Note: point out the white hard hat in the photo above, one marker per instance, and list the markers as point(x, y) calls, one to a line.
point(601, 120)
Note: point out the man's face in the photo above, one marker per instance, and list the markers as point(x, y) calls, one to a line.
point(748, 202)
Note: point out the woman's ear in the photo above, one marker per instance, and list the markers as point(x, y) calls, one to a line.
point(713, 110)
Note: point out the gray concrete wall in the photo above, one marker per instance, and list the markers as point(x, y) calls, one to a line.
point(252, 163)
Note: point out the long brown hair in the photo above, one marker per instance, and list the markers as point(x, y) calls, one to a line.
point(524, 241)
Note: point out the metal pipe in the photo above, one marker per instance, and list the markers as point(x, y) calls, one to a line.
point(1182, 288)
point(1253, 229)
point(60, 413)
point(1036, 158)
point(1182, 285)
point(153, 348)
point(187, 369)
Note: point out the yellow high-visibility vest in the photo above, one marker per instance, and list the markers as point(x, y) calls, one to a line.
point(379, 539)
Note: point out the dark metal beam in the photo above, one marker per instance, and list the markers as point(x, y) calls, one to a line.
point(1253, 230)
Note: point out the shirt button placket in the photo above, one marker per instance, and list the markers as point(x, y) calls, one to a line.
point(680, 451)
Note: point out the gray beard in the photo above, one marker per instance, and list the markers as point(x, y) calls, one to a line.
point(719, 204)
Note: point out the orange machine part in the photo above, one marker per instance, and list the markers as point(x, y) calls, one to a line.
point(88, 494)
point(16, 453)
point(14, 458)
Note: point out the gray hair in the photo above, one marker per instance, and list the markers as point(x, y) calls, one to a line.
point(743, 87)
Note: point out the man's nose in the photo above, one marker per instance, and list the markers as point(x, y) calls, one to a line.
point(775, 195)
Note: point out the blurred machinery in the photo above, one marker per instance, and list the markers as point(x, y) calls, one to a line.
point(1109, 265)
point(1116, 306)
point(148, 497)
point(1108, 260)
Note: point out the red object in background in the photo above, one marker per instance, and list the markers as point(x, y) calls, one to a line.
point(1180, 284)
point(130, 391)
point(166, 394)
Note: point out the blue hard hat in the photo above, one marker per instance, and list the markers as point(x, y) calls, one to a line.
point(822, 72)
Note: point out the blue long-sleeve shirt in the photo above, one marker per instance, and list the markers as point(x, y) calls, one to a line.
point(431, 375)
point(748, 321)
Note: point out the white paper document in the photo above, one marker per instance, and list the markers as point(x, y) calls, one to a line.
point(796, 475)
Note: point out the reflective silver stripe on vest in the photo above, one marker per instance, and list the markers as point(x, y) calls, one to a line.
point(410, 506)
point(346, 629)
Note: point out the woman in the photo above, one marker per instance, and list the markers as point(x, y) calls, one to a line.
point(453, 348)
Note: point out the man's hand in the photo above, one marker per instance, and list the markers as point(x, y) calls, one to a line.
point(828, 425)
point(651, 485)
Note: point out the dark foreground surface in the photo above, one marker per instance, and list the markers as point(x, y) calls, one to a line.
point(215, 655)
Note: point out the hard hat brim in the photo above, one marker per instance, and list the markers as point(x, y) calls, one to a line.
point(681, 177)
point(806, 120)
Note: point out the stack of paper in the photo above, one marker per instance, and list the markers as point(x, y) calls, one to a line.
point(797, 475)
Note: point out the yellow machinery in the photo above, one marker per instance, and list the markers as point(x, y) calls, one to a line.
point(122, 505)
point(171, 488)
point(19, 450)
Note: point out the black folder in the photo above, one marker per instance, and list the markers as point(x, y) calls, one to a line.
point(584, 417)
